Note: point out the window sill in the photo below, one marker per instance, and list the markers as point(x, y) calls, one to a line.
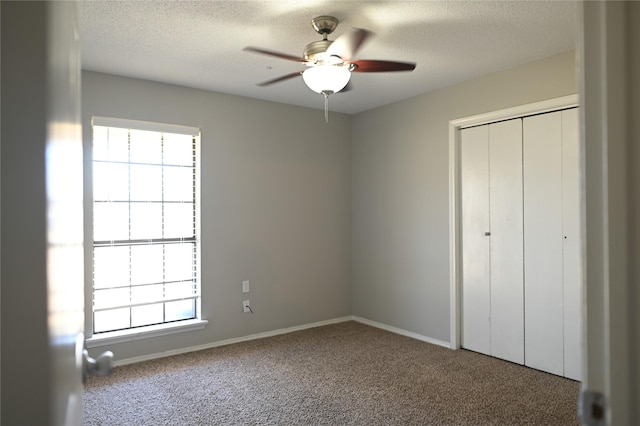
point(105, 339)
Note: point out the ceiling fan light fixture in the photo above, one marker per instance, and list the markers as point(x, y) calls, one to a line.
point(330, 63)
point(326, 79)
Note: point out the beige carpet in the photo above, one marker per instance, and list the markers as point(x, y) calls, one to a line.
point(342, 374)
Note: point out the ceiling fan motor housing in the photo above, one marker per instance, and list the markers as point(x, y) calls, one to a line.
point(324, 25)
point(313, 50)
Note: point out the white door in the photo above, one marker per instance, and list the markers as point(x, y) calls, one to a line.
point(505, 206)
point(474, 190)
point(491, 204)
point(42, 215)
point(65, 258)
point(609, 61)
point(543, 242)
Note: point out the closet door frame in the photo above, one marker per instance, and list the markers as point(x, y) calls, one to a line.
point(455, 242)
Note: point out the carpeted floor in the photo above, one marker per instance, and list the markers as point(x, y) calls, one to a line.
point(341, 374)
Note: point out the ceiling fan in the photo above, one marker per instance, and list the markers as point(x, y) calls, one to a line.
point(330, 63)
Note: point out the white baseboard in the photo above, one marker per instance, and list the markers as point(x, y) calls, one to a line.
point(402, 332)
point(149, 357)
point(395, 330)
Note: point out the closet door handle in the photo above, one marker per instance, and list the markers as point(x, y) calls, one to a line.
point(487, 234)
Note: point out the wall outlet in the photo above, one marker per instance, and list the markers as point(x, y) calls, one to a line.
point(246, 306)
point(245, 286)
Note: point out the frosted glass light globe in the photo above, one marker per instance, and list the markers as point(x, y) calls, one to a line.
point(326, 79)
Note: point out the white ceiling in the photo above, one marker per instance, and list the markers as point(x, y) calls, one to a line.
point(199, 43)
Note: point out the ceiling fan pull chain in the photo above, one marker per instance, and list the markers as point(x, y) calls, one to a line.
point(326, 107)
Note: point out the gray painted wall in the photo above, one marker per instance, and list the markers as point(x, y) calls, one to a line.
point(400, 192)
point(275, 206)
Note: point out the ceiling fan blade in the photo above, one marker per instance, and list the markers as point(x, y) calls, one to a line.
point(367, 65)
point(279, 79)
point(349, 43)
point(276, 54)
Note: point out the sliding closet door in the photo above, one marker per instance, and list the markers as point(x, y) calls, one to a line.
point(476, 303)
point(572, 273)
point(506, 222)
point(543, 242)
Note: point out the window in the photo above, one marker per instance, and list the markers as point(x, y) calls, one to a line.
point(145, 224)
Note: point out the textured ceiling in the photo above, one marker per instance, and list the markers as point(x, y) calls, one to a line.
point(199, 43)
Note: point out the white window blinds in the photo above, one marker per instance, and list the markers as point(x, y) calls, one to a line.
point(145, 224)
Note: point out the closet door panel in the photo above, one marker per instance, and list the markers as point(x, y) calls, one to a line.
point(543, 264)
point(506, 222)
point(572, 271)
point(474, 151)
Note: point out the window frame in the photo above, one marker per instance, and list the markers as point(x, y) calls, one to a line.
point(146, 331)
